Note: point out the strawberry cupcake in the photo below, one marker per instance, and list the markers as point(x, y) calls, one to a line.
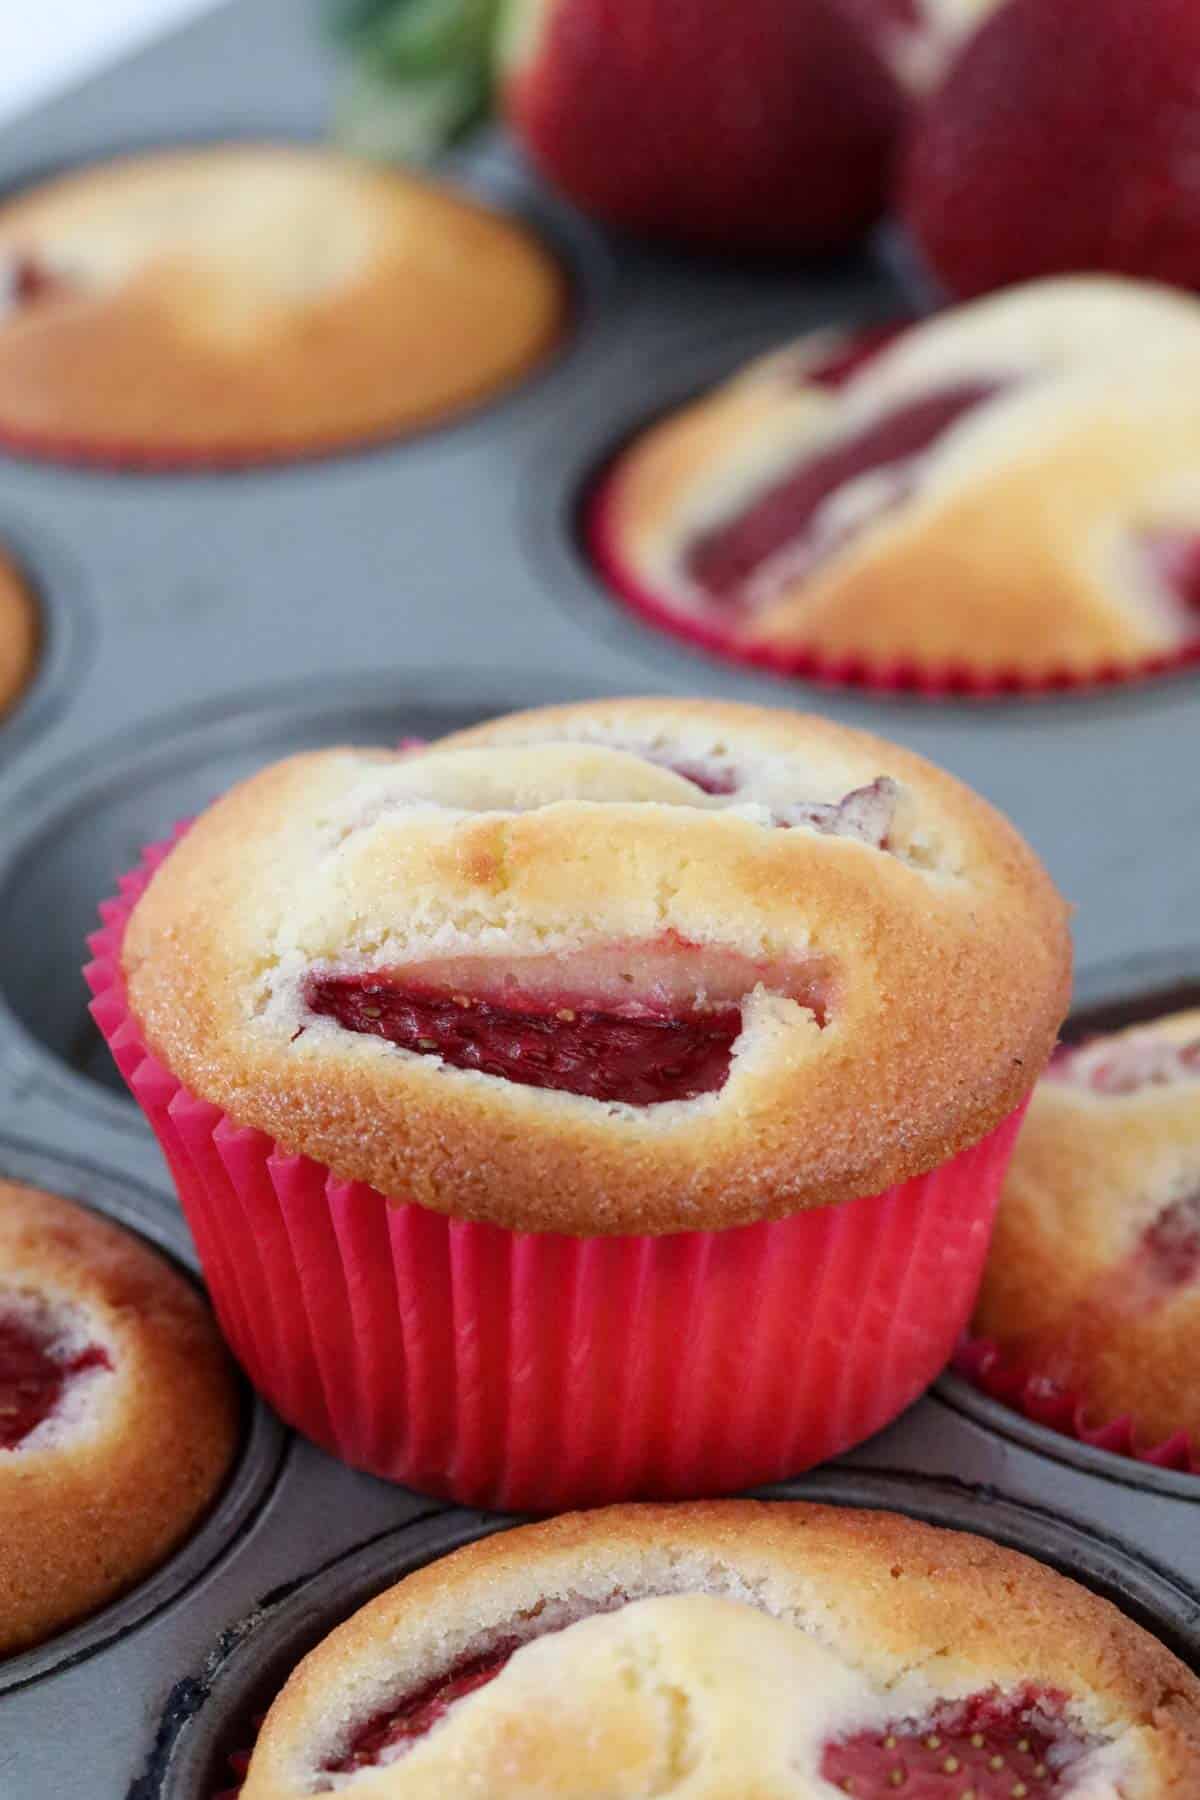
point(784, 1650)
point(246, 302)
point(1005, 496)
point(608, 1101)
point(18, 635)
point(118, 1413)
point(1092, 1288)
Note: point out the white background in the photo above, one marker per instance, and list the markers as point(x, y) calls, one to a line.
point(47, 44)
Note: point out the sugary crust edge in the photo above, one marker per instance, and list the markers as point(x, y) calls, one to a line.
point(891, 1592)
point(82, 1521)
point(515, 1157)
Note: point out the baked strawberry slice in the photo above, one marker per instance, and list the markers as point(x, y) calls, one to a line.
point(36, 1365)
point(993, 1747)
point(784, 533)
point(1065, 137)
point(390, 1732)
point(638, 1023)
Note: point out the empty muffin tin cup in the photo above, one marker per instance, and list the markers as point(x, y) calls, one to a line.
point(535, 1372)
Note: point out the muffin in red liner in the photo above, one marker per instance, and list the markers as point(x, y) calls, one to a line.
point(782, 1650)
point(1089, 1314)
point(253, 302)
point(627, 1102)
point(118, 1412)
point(18, 634)
point(1000, 499)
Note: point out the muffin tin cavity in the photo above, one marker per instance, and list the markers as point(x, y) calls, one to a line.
point(202, 1755)
point(256, 1466)
point(1109, 997)
point(86, 824)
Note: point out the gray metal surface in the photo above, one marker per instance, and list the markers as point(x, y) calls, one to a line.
point(199, 625)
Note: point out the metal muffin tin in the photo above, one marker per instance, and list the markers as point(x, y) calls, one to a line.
point(197, 625)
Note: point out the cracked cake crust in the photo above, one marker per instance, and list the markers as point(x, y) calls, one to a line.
point(564, 843)
point(870, 1617)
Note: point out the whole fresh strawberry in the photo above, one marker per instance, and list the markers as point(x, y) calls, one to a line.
point(744, 125)
point(1065, 137)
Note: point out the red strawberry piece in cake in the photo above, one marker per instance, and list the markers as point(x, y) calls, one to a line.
point(38, 1362)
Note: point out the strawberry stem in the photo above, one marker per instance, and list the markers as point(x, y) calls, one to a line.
point(419, 73)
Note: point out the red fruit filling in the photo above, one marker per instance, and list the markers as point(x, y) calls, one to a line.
point(710, 780)
point(991, 1748)
point(1174, 557)
point(1171, 1245)
point(34, 1371)
point(396, 1728)
point(724, 562)
point(577, 1051)
point(25, 280)
point(639, 1023)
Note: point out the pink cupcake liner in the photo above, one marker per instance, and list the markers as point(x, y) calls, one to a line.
point(536, 1372)
point(983, 1363)
point(895, 677)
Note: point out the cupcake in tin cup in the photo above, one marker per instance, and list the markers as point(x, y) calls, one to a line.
point(1089, 1312)
point(611, 1100)
point(734, 1651)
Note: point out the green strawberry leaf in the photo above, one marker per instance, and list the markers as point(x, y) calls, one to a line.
point(420, 73)
point(411, 121)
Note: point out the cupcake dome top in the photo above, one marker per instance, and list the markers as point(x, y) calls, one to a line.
point(252, 300)
point(785, 1650)
point(1008, 487)
point(18, 634)
point(1093, 1280)
point(631, 966)
point(118, 1412)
